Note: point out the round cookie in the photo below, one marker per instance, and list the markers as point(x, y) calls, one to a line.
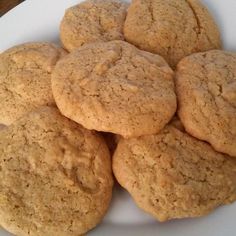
point(170, 28)
point(115, 87)
point(55, 176)
point(25, 79)
point(173, 175)
point(206, 88)
point(93, 21)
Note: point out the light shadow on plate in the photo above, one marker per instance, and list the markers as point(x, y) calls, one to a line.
point(125, 218)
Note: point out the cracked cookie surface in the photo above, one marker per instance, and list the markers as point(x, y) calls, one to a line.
point(115, 87)
point(93, 21)
point(170, 28)
point(25, 79)
point(55, 176)
point(206, 88)
point(173, 175)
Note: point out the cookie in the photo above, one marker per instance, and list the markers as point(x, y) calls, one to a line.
point(25, 79)
point(206, 87)
point(115, 87)
point(93, 21)
point(173, 175)
point(171, 28)
point(55, 176)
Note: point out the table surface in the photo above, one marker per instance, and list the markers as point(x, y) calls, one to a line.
point(6, 5)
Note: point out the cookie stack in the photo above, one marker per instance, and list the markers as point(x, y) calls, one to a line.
point(150, 78)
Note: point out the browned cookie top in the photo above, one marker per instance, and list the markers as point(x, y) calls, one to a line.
point(55, 176)
point(93, 21)
point(173, 175)
point(170, 28)
point(115, 87)
point(206, 88)
point(25, 79)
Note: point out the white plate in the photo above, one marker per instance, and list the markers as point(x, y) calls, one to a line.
point(38, 20)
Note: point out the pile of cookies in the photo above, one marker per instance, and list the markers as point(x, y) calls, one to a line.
point(148, 81)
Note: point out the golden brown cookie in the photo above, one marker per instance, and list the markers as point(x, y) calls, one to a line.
point(25, 78)
point(115, 87)
point(173, 175)
point(93, 21)
point(171, 28)
point(206, 87)
point(55, 176)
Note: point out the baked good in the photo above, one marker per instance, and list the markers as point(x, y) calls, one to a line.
point(206, 88)
point(93, 21)
point(171, 28)
point(25, 79)
point(55, 176)
point(115, 87)
point(173, 175)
